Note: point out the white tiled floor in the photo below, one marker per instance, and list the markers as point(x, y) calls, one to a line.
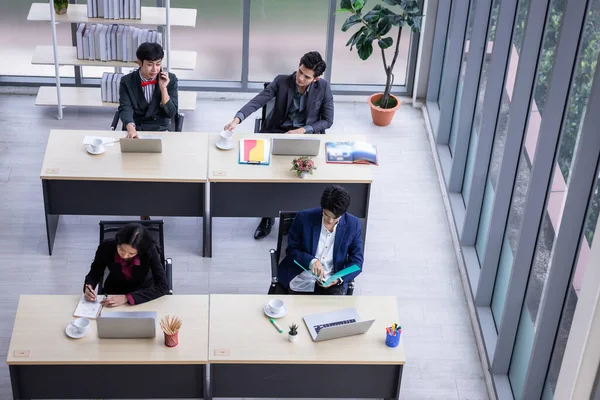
point(408, 254)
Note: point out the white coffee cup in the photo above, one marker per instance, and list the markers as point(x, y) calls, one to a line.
point(80, 324)
point(226, 139)
point(275, 306)
point(96, 145)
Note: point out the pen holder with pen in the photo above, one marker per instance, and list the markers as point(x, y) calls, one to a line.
point(170, 326)
point(392, 337)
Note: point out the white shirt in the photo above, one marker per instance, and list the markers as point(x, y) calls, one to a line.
point(305, 282)
point(148, 89)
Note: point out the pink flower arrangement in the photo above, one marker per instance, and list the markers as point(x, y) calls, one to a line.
point(303, 165)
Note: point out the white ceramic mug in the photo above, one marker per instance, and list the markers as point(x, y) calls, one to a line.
point(275, 306)
point(226, 139)
point(80, 324)
point(96, 145)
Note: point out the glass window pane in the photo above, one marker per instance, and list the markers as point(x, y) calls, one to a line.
point(348, 68)
point(552, 218)
point(461, 79)
point(491, 36)
point(300, 27)
point(20, 37)
point(217, 39)
point(439, 89)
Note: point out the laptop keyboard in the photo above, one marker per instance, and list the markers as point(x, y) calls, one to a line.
point(329, 325)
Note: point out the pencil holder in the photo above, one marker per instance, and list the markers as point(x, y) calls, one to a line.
point(391, 340)
point(172, 340)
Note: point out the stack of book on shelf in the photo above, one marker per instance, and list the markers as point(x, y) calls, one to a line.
point(110, 87)
point(98, 42)
point(114, 9)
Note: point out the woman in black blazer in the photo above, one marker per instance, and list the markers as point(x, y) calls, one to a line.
point(136, 274)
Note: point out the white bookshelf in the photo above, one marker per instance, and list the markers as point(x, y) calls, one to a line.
point(91, 97)
point(67, 55)
point(150, 16)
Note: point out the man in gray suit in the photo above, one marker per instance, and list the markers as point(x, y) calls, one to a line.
point(303, 104)
point(148, 96)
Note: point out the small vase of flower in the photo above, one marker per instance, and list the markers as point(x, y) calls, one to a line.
point(293, 333)
point(61, 6)
point(303, 166)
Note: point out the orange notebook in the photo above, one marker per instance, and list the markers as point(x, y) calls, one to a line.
point(255, 151)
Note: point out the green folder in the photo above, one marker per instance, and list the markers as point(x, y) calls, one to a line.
point(337, 275)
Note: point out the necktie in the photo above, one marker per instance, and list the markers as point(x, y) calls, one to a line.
point(146, 83)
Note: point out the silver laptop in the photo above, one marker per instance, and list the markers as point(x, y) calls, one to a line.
point(127, 325)
point(294, 146)
point(336, 324)
point(142, 144)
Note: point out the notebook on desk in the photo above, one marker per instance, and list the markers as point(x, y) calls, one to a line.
point(88, 309)
point(255, 151)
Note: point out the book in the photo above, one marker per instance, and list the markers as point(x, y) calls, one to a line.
point(121, 9)
point(159, 38)
point(90, 9)
point(92, 42)
point(86, 44)
point(97, 42)
point(118, 87)
point(100, 8)
point(88, 309)
point(102, 43)
point(119, 43)
point(131, 9)
point(109, 85)
point(94, 8)
point(255, 151)
point(116, 9)
point(351, 153)
point(138, 9)
point(103, 85)
point(113, 42)
point(116, 84)
point(126, 8)
point(332, 278)
point(79, 40)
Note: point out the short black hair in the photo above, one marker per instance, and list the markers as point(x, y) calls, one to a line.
point(134, 235)
point(335, 199)
point(150, 52)
point(313, 60)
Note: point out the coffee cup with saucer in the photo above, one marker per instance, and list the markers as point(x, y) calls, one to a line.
point(276, 308)
point(225, 141)
point(78, 328)
point(96, 146)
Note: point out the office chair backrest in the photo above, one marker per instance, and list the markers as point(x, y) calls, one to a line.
point(266, 110)
point(286, 218)
point(109, 229)
point(175, 126)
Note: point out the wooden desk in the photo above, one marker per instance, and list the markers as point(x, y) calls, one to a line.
point(74, 182)
point(239, 190)
point(45, 363)
point(245, 347)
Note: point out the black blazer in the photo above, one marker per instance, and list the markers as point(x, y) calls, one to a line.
point(133, 106)
point(148, 281)
point(283, 88)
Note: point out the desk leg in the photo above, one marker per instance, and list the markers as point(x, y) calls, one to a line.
point(207, 223)
point(365, 221)
point(15, 381)
point(400, 367)
point(51, 219)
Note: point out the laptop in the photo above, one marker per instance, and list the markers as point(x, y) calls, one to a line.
point(293, 146)
point(142, 144)
point(127, 325)
point(336, 324)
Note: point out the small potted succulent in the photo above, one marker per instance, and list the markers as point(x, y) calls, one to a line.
point(60, 6)
point(303, 166)
point(293, 333)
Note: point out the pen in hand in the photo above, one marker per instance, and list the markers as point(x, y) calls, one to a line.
point(91, 292)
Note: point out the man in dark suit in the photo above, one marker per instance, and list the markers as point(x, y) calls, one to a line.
point(303, 104)
point(148, 95)
point(323, 240)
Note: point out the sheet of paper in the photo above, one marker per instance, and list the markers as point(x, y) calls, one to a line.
point(105, 140)
point(88, 309)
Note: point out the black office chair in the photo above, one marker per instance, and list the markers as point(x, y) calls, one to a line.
point(175, 126)
point(286, 218)
point(259, 123)
point(109, 229)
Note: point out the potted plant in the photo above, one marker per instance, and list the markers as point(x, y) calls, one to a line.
point(303, 166)
point(376, 25)
point(293, 333)
point(60, 6)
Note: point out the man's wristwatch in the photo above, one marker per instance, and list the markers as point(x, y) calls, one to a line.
point(131, 123)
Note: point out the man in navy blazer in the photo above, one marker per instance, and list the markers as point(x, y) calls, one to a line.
point(303, 104)
point(323, 240)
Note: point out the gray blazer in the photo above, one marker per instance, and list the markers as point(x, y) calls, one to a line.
point(283, 87)
point(133, 106)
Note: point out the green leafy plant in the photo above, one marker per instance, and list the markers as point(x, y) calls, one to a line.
point(60, 6)
point(303, 164)
point(376, 25)
point(293, 329)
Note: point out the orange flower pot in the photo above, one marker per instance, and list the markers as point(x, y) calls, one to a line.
point(382, 116)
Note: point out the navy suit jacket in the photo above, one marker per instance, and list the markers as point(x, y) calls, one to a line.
point(303, 239)
point(282, 88)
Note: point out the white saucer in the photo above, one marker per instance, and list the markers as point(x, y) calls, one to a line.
point(226, 147)
point(74, 333)
point(282, 314)
point(89, 150)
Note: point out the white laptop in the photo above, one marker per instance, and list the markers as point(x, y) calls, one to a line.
point(336, 324)
point(295, 146)
point(127, 325)
point(142, 144)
